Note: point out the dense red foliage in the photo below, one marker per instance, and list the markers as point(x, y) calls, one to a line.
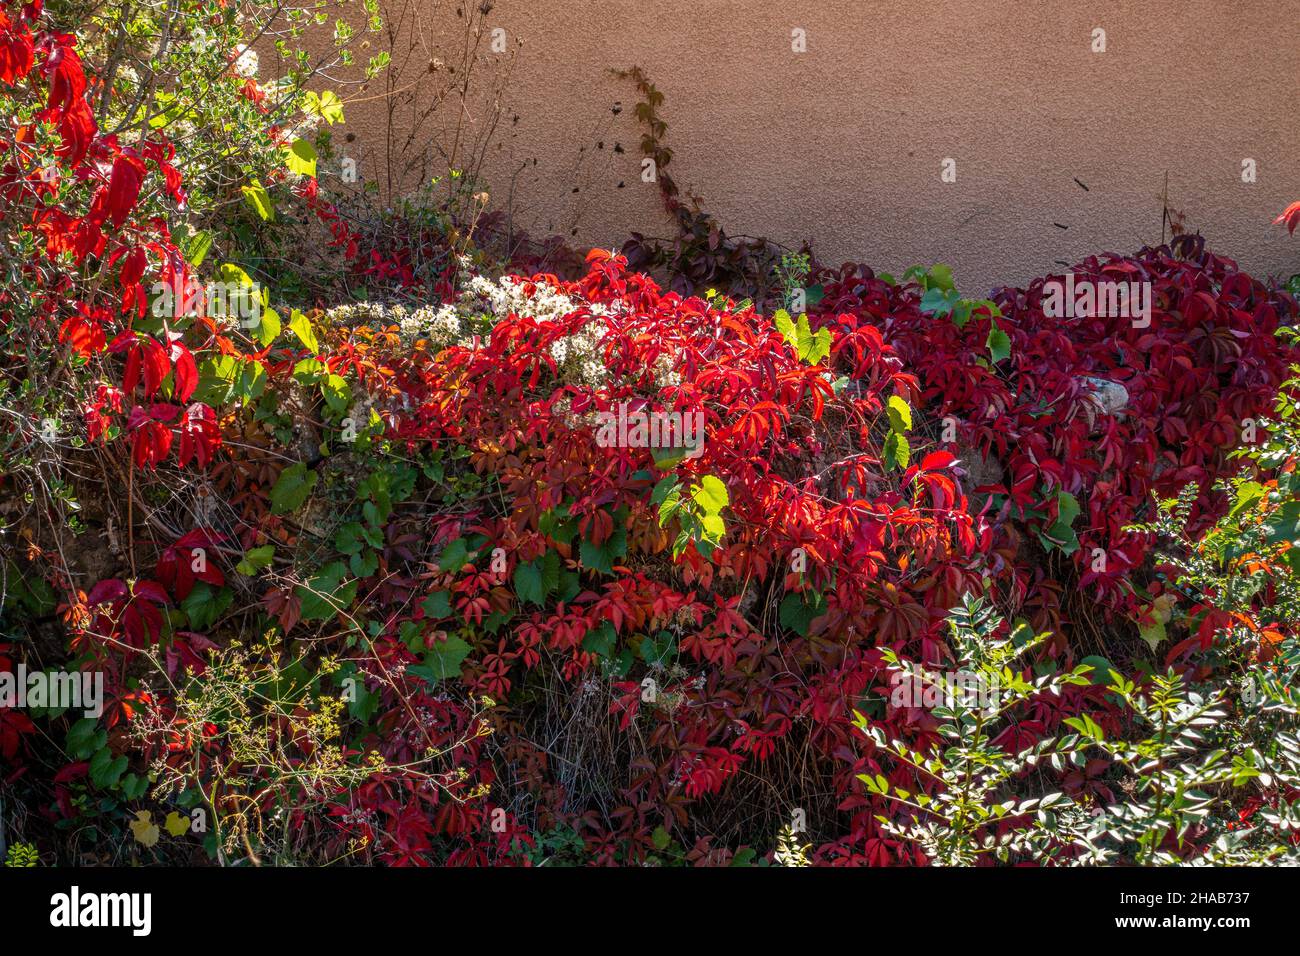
point(772, 655)
point(1198, 377)
point(98, 222)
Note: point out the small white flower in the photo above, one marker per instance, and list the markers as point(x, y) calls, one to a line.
point(245, 61)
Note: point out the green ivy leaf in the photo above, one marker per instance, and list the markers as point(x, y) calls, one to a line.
point(998, 344)
point(898, 451)
point(529, 585)
point(797, 615)
point(204, 604)
point(268, 328)
point(711, 495)
point(292, 488)
point(105, 769)
point(337, 392)
point(85, 737)
point(601, 557)
point(940, 276)
point(660, 649)
point(217, 376)
point(803, 337)
point(1153, 634)
point(785, 325)
point(455, 556)
point(1102, 669)
point(601, 640)
point(197, 248)
point(326, 105)
point(326, 594)
point(1061, 534)
point(666, 458)
point(437, 605)
point(936, 302)
point(821, 346)
point(443, 660)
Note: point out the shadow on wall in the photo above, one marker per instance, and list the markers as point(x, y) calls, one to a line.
point(1002, 137)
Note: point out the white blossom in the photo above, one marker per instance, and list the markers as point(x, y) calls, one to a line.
point(245, 61)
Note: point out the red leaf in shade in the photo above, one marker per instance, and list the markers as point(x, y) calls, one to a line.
point(108, 590)
point(186, 378)
point(284, 605)
point(189, 560)
point(151, 440)
point(184, 652)
point(200, 436)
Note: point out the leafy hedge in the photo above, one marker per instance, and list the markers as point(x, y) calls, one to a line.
point(373, 582)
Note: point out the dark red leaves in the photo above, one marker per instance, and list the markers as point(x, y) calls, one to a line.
point(126, 613)
point(200, 436)
point(151, 439)
point(146, 360)
point(192, 558)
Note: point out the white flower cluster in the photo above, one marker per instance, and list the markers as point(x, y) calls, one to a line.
point(506, 296)
point(245, 61)
point(578, 356)
point(441, 326)
point(665, 371)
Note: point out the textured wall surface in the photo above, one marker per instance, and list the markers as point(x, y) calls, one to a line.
point(842, 144)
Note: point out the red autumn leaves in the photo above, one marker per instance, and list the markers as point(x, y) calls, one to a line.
point(1208, 362)
point(115, 203)
point(148, 364)
point(45, 69)
point(1291, 216)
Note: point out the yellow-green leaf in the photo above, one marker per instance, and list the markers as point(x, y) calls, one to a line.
point(257, 197)
point(326, 105)
point(301, 158)
point(144, 829)
point(900, 414)
point(300, 325)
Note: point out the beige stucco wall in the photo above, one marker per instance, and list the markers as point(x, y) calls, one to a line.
point(843, 144)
